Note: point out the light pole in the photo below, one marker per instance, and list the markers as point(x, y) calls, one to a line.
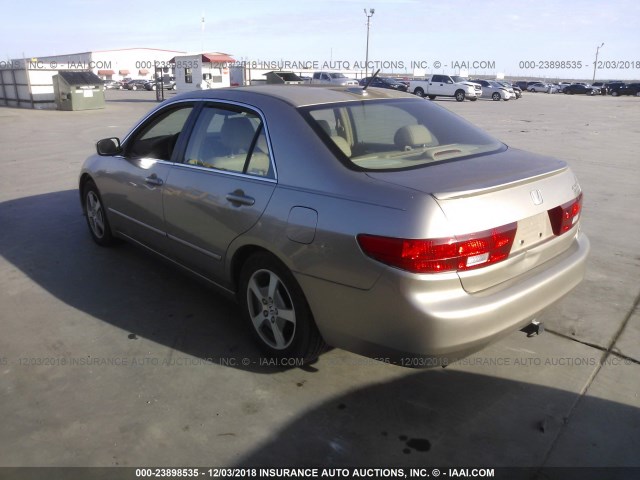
point(369, 15)
point(595, 64)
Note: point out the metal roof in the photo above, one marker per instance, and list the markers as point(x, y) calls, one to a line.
point(80, 78)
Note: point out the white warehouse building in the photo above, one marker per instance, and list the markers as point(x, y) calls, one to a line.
point(28, 82)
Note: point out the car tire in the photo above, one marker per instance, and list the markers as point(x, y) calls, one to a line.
point(419, 92)
point(614, 93)
point(96, 215)
point(459, 96)
point(432, 97)
point(496, 97)
point(267, 289)
point(133, 87)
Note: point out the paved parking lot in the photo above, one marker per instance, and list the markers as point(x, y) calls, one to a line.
point(111, 358)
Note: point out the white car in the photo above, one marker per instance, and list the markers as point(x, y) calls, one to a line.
point(332, 78)
point(539, 87)
point(555, 88)
point(493, 90)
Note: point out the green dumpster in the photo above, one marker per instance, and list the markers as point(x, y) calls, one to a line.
point(78, 91)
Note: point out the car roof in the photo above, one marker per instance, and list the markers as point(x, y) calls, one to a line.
point(298, 95)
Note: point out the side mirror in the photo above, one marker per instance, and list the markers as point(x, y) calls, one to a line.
point(108, 146)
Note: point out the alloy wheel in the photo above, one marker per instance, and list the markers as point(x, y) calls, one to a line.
point(271, 309)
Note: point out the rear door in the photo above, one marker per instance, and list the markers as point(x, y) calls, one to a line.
point(221, 187)
point(438, 86)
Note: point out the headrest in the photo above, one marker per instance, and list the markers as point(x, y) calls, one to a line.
point(237, 133)
point(325, 126)
point(412, 136)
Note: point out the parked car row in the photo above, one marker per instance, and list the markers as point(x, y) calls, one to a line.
point(138, 84)
point(614, 88)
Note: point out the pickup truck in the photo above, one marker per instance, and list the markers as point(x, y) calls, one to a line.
point(332, 78)
point(445, 86)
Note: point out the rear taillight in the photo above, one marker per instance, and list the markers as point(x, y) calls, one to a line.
point(436, 255)
point(565, 216)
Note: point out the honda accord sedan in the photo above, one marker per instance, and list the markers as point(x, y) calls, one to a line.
point(364, 219)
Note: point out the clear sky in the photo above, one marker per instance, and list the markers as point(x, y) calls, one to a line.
point(519, 37)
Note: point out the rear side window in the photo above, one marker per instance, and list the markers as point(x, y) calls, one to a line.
point(397, 134)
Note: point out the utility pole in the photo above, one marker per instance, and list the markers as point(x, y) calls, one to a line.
point(595, 64)
point(366, 61)
point(202, 34)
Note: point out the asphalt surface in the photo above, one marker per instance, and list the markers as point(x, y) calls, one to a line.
point(109, 357)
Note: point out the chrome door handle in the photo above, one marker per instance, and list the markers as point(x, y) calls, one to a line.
point(240, 198)
point(154, 180)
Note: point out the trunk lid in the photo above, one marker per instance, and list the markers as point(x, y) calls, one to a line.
point(485, 192)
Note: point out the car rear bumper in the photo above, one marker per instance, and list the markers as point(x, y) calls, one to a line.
point(430, 320)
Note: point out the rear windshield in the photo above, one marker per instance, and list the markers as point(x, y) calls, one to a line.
point(397, 134)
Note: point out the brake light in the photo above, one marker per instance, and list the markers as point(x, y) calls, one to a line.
point(565, 216)
point(436, 255)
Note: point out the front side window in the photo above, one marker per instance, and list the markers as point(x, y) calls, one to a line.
point(396, 134)
point(158, 137)
point(232, 139)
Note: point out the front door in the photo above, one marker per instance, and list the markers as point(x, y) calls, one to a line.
point(135, 198)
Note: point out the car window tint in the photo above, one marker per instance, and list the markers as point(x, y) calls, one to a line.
point(398, 134)
point(259, 161)
point(229, 139)
point(158, 138)
point(373, 121)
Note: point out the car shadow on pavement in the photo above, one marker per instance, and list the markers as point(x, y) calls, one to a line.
point(452, 418)
point(46, 238)
point(436, 418)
